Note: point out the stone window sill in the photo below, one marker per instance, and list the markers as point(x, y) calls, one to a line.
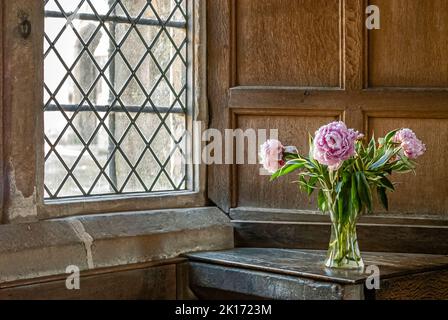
point(46, 248)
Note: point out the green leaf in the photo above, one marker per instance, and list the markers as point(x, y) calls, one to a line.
point(390, 136)
point(364, 191)
point(385, 183)
point(341, 212)
point(290, 156)
point(354, 198)
point(322, 202)
point(303, 185)
point(383, 197)
point(407, 162)
point(296, 161)
point(288, 168)
point(344, 204)
point(309, 174)
point(312, 185)
point(401, 167)
point(383, 160)
point(338, 188)
point(312, 163)
point(311, 145)
point(371, 150)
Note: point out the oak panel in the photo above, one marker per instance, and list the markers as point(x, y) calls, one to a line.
point(219, 80)
point(154, 283)
point(305, 216)
point(288, 43)
point(423, 286)
point(415, 102)
point(428, 239)
point(255, 190)
point(425, 193)
point(410, 48)
point(1, 117)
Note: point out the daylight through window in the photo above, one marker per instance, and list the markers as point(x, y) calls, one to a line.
point(115, 97)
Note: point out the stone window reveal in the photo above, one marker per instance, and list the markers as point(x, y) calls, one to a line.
point(115, 97)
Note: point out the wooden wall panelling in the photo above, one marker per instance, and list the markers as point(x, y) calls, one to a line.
point(151, 283)
point(393, 237)
point(422, 286)
point(220, 78)
point(293, 215)
point(410, 48)
point(369, 61)
point(298, 229)
point(294, 127)
point(2, 179)
point(267, 103)
point(371, 100)
point(353, 39)
point(288, 43)
point(353, 52)
point(183, 290)
point(426, 192)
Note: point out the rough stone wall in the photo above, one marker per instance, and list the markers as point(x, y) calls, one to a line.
point(46, 248)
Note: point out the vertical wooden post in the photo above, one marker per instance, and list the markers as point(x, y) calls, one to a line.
point(22, 104)
point(220, 78)
point(2, 180)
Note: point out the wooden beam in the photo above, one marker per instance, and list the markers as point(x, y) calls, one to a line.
point(316, 235)
point(22, 109)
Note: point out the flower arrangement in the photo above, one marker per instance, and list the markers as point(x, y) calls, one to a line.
point(345, 172)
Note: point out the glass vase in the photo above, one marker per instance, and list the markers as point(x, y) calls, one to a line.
point(343, 251)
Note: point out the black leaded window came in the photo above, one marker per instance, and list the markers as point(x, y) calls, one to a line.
point(115, 97)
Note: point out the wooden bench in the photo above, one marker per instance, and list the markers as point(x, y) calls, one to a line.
point(255, 273)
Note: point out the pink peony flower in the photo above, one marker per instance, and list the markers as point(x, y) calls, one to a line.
point(412, 146)
point(334, 143)
point(271, 154)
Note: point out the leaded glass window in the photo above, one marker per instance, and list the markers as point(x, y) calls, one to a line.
point(115, 97)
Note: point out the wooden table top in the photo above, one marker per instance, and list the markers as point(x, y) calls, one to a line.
point(310, 263)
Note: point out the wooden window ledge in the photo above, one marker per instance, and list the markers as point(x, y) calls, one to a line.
point(300, 275)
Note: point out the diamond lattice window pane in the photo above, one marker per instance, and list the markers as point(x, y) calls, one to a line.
point(115, 97)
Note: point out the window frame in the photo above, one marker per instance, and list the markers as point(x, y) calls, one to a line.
point(195, 196)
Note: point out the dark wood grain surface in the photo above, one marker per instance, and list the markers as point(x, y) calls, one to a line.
point(153, 283)
point(396, 56)
point(285, 215)
point(219, 79)
point(309, 263)
point(421, 286)
point(286, 64)
point(210, 281)
point(288, 43)
point(316, 235)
